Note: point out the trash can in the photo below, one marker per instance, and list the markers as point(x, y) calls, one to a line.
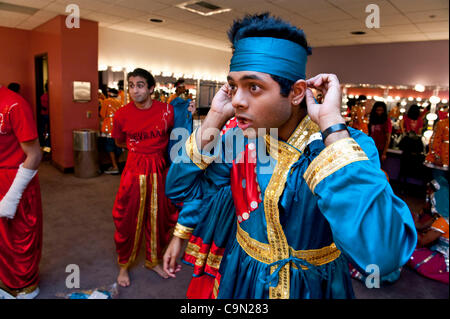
point(85, 153)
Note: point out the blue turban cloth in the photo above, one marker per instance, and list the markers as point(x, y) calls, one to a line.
point(274, 56)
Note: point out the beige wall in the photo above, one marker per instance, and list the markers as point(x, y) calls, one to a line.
point(125, 49)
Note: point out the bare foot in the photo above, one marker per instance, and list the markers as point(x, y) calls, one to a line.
point(123, 279)
point(160, 271)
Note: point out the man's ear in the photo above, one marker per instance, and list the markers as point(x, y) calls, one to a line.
point(298, 92)
point(152, 89)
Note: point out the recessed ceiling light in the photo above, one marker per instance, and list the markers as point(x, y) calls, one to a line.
point(202, 7)
point(358, 32)
point(156, 20)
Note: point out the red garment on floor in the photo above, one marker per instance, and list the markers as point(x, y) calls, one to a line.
point(430, 264)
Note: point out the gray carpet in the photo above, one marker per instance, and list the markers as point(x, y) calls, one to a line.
point(78, 229)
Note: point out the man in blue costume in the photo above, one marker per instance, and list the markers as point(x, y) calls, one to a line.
point(305, 201)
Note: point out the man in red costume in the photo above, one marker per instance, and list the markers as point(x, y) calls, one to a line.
point(20, 199)
point(141, 206)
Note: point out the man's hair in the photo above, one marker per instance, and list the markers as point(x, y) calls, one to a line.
point(414, 112)
point(178, 82)
point(265, 25)
point(143, 74)
point(13, 86)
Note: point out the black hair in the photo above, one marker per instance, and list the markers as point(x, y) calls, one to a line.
point(143, 74)
point(362, 98)
point(374, 117)
point(113, 91)
point(351, 103)
point(13, 86)
point(413, 112)
point(178, 82)
point(120, 84)
point(265, 25)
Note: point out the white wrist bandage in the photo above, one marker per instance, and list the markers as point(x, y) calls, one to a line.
point(9, 203)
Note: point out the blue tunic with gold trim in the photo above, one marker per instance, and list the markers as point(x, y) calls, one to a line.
point(301, 211)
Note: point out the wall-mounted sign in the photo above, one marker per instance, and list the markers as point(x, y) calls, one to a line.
point(81, 91)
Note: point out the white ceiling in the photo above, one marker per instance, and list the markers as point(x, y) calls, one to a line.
point(325, 22)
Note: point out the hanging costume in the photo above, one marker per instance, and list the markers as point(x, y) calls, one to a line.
point(283, 219)
point(141, 206)
point(21, 232)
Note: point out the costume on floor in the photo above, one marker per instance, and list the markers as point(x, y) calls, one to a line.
point(21, 232)
point(433, 261)
point(299, 215)
point(141, 206)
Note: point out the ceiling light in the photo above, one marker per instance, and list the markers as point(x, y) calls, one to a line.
point(202, 7)
point(419, 88)
point(435, 99)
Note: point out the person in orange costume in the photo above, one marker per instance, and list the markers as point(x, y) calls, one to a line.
point(20, 199)
point(109, 108)
point(179, 90)
point(438, 154)
point(358, 115)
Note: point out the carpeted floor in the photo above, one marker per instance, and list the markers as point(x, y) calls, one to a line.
point(78, 230)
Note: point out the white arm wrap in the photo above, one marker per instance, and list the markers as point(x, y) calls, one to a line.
point(9, 203)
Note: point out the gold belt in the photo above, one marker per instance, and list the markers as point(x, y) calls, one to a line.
point(261, 251)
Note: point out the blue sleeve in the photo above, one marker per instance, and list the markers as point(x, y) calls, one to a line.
point(370, 224)
point(182, 128)
point(191, 183)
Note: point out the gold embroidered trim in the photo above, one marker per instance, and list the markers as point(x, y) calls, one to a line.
point(279, 248)
point(331, 159)
point(212, 260)
point(318, 257)
point(202, 161)
point(151, 264)
point(194, 250)
point(302, 133)
point(182, 232)
point(215, 289)
point(153, 220)
point(261, 251)
point(137, 236)
point(255, 249)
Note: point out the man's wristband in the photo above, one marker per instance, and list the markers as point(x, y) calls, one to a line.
point(332, 129)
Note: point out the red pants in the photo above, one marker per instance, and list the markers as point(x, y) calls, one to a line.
point(141, 207)
point(21, 237)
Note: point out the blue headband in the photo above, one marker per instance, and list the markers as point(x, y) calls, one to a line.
point(274, 56)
